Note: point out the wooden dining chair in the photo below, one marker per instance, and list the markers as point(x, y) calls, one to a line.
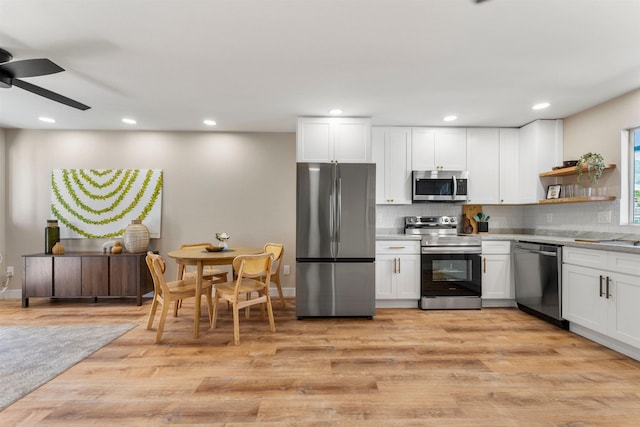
point(216, 275)
point(253, 274)
point(277, 249)
point(167, 292)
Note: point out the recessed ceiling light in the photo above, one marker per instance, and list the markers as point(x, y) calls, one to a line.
point(209, 122)
point(46, 119)
point(129, 121)
point(541, 106)
point(336, 112)
point(450, 118)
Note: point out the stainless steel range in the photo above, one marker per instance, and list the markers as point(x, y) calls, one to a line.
point(450, 262)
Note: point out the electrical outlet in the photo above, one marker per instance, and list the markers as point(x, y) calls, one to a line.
point(604, 217)
point(10, 271)
point(286, 269)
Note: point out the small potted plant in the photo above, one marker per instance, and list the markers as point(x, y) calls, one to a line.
point(594, 165)
point(483, 222)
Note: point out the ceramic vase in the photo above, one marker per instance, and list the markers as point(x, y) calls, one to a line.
point(222, 245)
point(136, 237)
point(483, 227)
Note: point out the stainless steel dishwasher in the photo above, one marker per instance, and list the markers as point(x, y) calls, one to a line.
point(538, 280)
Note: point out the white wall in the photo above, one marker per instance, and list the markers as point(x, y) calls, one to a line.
point(3, 173)
point(239, 183)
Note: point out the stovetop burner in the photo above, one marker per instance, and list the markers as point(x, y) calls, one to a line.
point(439, 231)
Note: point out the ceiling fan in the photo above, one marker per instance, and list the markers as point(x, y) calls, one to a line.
point(10, 71)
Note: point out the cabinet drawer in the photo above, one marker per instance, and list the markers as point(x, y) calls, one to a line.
point(624, 263)
point(496, 247)
point(390, 247)
point(585, 257)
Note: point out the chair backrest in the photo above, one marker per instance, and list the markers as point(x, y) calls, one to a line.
point(257, 267)
point(277, 249)
point(157, 268)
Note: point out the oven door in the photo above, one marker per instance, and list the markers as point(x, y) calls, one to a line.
point(451, 280)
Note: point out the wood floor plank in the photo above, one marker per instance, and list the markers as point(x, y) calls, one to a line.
point(405, 367)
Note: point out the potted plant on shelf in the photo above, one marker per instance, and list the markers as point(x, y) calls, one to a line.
point(483, 222)
point(594, 165)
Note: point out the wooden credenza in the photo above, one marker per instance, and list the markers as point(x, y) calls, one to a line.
point(85, 274)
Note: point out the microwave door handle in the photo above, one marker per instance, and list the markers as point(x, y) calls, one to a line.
point(455, 187)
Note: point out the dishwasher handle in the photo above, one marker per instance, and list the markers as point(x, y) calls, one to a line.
point(532, 251)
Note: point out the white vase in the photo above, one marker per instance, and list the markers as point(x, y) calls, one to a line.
point(222, 245)
point(136, 237)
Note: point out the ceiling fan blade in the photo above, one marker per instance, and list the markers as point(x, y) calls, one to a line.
point(50, 95)
point(31, 68)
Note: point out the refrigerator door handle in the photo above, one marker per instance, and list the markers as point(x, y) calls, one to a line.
point(338, 215)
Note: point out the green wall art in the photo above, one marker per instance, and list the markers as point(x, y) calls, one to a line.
point(100, 203)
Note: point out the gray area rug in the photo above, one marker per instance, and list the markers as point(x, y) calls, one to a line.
point(33, 355)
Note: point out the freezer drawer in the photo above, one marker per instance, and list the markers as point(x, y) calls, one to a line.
point(326, 289)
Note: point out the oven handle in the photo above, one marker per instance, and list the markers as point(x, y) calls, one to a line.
point(451, 250)
point(455, 186)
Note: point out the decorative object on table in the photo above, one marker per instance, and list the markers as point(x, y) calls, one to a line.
point(211, 248)
point(483, 222)
point(222, 238)
point(107, 246)
point(99, 203)
point(51, 235)
point(594, 164)
point(136, 237)
point(57, 249)
point(117, 248)
point(553, 191)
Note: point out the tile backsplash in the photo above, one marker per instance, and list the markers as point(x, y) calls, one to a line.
point(570, 219)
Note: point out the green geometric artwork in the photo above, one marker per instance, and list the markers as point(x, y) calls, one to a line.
point(100, 203)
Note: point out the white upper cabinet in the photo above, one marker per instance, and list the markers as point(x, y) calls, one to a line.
point(483, 160)
point(439, 149)
point(331, 139)
point(391, 148)
point(540, 151)
point(509, 165)
point(493, 161)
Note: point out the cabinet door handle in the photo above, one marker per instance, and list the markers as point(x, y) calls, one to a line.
point(396, 247)
point(398, 265)
point(394, 265)
point(484, 263)
point(608, 294)
point(601, 293)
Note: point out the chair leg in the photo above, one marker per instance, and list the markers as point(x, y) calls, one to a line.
point(152, 313)
point(277, 282)
point(163, 318)
point(236, 324)
point(272, 323)
point(175, 309)
point(209, 306)
point(216, 298)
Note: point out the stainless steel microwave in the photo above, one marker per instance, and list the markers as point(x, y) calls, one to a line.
point(440, 186)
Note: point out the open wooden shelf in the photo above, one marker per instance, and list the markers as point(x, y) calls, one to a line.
point(569, 171)
point(579, 199)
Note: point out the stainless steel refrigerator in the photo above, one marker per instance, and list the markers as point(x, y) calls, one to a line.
point(335, 240)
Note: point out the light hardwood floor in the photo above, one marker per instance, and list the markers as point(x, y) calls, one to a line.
point(490, 367)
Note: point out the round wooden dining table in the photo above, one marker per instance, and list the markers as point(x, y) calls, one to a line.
point(201, 257)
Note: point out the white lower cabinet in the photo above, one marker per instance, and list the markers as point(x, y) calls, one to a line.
point(497, 283)
point(601, 292)
point(397, 273)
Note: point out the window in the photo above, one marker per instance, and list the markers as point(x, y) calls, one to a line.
point(634, 135)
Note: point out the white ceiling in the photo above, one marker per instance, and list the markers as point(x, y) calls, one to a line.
point(255, 65)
